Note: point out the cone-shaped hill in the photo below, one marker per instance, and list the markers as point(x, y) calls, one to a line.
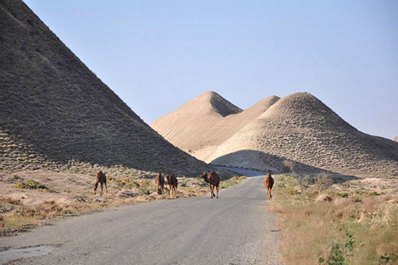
point(188, 127)
point(301, 128)
point(203, 123)
point(54, 110)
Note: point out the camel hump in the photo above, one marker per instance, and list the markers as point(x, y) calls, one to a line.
point(271, 182)
point(215, 178)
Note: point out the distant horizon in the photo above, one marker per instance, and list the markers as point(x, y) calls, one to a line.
point(156, 56)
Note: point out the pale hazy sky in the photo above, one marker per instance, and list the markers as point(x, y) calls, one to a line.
point(156, 55)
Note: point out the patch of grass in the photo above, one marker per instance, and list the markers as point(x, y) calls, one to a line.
point(9, 224)
point(353, 227)
point(126, 182)
point(231, 181)
point(27, 216)
point(30, 184)
point(147, 186)
point(343, 194)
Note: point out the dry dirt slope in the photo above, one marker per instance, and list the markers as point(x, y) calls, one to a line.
point(298, 127)
point(53, 109)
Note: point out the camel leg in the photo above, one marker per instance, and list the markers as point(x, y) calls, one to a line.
point(102, 188)
point(211, 191)
point(269, 192)
point(95, 187)
point(217, 188)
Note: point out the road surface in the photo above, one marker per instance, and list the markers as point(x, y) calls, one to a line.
point(236, 229)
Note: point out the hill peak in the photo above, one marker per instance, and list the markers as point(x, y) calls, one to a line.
point(209, 94)
point(55, 112)
point(214, 102)
point(300, 100)
point(304, 108)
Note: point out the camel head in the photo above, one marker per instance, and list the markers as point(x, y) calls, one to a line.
point(204, 176)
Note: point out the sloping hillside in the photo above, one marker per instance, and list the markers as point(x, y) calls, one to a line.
point(203, 123)
point(192, 125)
point(296, 132)
point(54, 110)
point(301, 128)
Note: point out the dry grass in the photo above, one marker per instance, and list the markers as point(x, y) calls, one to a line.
point(25, 202)
point(338, 224)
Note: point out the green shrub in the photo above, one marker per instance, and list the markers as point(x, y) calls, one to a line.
point(336, 256)
point(30, 184)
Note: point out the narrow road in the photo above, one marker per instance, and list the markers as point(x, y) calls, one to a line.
point(235, 229)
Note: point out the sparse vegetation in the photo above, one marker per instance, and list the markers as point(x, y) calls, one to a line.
point(288, 165)
point(231, 181)
point(323, 181)
point(26, 205)
point(336, 224)
point(30, 184)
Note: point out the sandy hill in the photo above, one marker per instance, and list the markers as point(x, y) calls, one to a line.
point(187, 127)
point(301, 128)
point(297, 131)
point(54, 110)
point(203, 123)
point(395, 139)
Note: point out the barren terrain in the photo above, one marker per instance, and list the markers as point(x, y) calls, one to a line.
point(297, 133)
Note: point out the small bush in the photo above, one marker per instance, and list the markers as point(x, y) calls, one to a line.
point(30, 184)
point(126, 182)
point(336, 256)
point(304, 182)
point(288, 165)
point(343, 194)
point(323, 181)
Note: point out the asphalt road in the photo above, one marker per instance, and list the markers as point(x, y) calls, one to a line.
point(235, 229)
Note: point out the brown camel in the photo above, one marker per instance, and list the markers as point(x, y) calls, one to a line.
point(214, 180)
point(173, 182)
point(160, 183)
point(100, 179)
point(269, 183)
